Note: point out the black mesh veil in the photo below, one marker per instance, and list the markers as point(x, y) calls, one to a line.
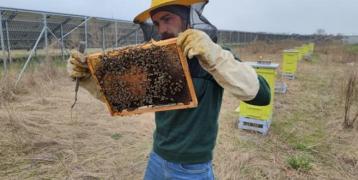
point(196, 21)
point(149, 31)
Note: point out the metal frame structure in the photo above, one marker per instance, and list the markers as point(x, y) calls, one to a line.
point(33, 30)
point(242, 37)
point(2, 44)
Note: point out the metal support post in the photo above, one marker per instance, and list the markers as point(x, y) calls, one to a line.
point(136, 36)
point(84, 22)
point(116, 31)
point(244, 37)
point(238, 38)
point(8, 42)
point(3, 45)
point(103, 40)
point(45, 28)
point(230, 37)
point(30, 56)
point(86, 31)
point(62, 43)
point(58, 40)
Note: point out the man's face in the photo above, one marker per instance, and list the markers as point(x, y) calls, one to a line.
point(169, 25)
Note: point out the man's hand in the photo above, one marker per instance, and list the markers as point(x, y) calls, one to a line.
point(77, 67)
point(197, 43)
point(236, 77)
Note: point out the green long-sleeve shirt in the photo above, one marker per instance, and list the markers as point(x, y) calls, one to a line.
point(189, 135)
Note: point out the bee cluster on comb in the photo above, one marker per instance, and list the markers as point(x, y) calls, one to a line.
point(144, 78)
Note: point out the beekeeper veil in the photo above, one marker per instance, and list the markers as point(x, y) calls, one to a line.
point(191, 12)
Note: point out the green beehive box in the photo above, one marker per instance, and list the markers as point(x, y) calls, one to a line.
point(268, 71)
point(290, 59)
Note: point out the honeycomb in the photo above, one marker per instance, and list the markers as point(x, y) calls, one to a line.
point(144, 78)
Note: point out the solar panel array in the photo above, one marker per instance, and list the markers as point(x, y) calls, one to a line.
point(36, 30)
point(21, 29)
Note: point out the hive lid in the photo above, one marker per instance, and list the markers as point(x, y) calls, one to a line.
point(291, 51)
point(262, 65)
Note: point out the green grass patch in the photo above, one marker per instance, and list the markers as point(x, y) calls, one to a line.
point(352, 48)
point(116, 136)
point(18, 64)
point(297, 137)
point(301, 146)
point(315, 58)
point(300, 162)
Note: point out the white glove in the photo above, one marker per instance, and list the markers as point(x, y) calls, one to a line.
point(77, 68)
point(236, 77)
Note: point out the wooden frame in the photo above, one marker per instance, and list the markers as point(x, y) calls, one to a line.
point(94, 59)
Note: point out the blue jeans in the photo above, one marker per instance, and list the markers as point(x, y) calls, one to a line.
point(159, 168)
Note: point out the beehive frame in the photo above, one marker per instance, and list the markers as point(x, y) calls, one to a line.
point(94, 59)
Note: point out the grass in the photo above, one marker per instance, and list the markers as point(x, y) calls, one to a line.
point(35, 61)
point(39, 140)
point(300, 162)
point(116, 136)
point(307, 124)
point(352, 48)
point(37, 71)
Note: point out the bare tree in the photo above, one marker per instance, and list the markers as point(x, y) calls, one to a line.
point(351, 92)
point(320, 31)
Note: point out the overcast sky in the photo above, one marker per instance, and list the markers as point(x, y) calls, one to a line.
point(277, 16)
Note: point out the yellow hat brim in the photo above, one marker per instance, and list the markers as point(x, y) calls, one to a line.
point(146, 14)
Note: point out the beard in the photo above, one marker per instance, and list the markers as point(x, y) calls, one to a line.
point(167, 36)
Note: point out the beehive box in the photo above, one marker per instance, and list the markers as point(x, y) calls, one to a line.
point(311, 47)
point(145, 78)
point(290, 60)
point(263, 113)
point(301, 49)
point(306, 48)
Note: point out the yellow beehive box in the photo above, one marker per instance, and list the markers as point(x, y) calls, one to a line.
point(306, 48)
point(311, 47)
point(300, 54)
point(301, 49)
point(268, 71)
point(289, 61)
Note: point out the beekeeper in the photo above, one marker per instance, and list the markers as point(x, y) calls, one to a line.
point(184, 140)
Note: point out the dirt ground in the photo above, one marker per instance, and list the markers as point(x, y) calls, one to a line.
point(39, 139)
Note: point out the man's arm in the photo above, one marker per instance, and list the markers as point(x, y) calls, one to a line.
point(238, 78)
point(263, 96)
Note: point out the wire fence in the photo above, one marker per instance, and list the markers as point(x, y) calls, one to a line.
point(241, 37)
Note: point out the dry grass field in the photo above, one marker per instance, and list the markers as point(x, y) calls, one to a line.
point(41, 139)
